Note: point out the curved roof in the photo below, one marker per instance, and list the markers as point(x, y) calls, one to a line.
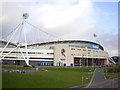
point(67, 41)
point(5, 42)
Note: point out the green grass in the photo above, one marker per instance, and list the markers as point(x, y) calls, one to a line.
point(111, 75)
point(12, 67)
point(74, 69)
point(53, 78)
point(112, 72)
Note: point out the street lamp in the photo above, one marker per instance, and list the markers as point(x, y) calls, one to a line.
point(82, 69)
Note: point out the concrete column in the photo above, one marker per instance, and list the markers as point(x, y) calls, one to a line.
point(92, 62)
point(98, 62)
point(80, 62)
point(86, 62)
point(103, 62)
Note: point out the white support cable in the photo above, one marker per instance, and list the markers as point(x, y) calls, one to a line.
point(40, 38)
point(35, 38)
point(13, 34)
point(42, 30)
point(27, 60)
point(15, 31)
point(23, 56)
point(14, 48)
point(19, 47)
point(20, 32)
point(47, 38)
point(36, 27)
point(7, 53)
point(5, 37)
point(10, 39)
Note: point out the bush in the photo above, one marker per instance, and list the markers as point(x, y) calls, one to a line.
point(112, 69)
point(32, 66)
point(26, 66)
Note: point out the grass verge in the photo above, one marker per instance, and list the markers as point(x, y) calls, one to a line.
point(16, 67)
point(53, 78)
point(112, 72)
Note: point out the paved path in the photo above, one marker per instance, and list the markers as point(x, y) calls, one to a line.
point(100, 82)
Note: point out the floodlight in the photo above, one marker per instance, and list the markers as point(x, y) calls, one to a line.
point(25, 15)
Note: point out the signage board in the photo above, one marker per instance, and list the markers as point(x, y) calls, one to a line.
point(111, 80)
point(63, 52)
point(62, 59)
point(94, 46)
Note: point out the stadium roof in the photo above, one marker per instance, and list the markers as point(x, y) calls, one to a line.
point(5, 42)
point(67, 41)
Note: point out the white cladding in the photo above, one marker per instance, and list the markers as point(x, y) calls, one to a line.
point(32, 54)
point(53, 52)
point(71, 52)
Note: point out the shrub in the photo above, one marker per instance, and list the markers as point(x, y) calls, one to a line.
point(29, 66)
point(26, 66)
point(113, 69)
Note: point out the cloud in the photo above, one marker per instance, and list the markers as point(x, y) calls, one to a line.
point(66, 19)
point(54, 16)
point(69, 19)
point(110, 41)
point(58, 18)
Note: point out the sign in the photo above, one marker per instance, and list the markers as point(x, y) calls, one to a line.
point(94, 46)
point(111, 80)
point(63, 52)
point(62, 59)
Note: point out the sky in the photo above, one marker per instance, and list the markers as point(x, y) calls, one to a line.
point(64, 19)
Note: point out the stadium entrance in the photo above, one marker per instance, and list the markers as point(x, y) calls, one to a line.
point(88, 61)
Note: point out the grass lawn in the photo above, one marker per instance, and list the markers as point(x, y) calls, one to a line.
point(15, 67)
point(111, 75)
point(53, 78)
point(112, 72)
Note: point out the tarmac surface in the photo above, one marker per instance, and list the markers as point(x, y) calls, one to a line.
point(99, 81)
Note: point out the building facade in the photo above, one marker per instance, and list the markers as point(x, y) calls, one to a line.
point(57, 53)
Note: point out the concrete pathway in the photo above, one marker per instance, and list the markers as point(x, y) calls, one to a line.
point(99, 81)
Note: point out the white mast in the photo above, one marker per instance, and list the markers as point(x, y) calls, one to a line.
point(25, 16)
point(26, 58)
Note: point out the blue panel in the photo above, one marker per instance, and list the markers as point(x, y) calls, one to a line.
point(94, 46)
point(41, 58)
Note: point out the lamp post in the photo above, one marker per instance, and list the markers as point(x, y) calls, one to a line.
point(82, 70)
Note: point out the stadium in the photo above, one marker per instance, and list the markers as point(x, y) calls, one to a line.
point(57, 53)
point(50, 53)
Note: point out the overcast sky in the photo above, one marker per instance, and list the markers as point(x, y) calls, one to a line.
point(65, 19)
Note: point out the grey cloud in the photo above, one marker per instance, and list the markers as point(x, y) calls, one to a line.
point(81, 26)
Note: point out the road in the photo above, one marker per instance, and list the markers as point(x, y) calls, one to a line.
point(99, 81)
